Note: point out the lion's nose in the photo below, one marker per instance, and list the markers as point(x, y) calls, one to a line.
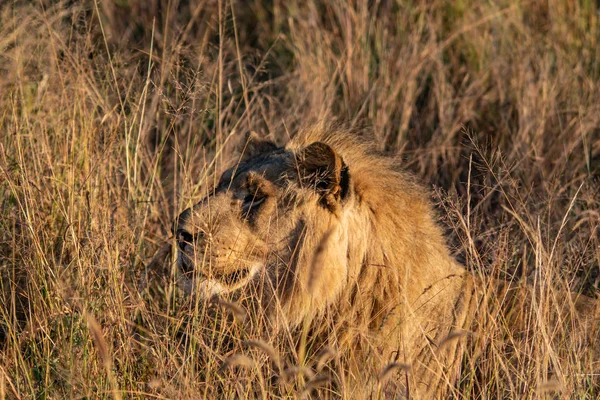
point(183, 237)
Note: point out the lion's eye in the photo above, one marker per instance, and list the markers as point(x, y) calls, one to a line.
point(252, 200)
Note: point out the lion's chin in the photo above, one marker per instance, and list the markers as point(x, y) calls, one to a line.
point(207, 288)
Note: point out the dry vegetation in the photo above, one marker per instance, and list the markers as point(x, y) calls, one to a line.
point(115, 116)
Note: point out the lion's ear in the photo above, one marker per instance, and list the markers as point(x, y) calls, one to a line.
point(256, 145)
point(323, 169)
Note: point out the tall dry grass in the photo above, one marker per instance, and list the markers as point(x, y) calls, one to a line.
point(116, 115)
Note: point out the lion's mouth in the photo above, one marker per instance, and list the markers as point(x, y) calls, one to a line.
point(220, 282)
point(234, 277)
point(231, 278)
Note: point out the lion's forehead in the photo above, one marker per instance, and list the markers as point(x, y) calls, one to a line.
point(273, 167)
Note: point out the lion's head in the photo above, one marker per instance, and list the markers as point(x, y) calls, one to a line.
point(320, 222)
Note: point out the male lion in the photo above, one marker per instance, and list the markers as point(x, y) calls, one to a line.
point(324, 226)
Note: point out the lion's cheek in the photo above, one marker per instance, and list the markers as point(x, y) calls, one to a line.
point(327, 274)
point(332, 280)
point(266, 217)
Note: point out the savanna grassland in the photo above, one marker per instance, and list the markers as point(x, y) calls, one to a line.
point(117, 115)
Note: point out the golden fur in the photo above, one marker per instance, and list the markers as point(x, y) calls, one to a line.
point(326, 227)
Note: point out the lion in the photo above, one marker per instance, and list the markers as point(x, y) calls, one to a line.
point(324, 228)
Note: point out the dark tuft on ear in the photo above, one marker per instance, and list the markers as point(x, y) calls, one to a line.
point(323, 169)
point(256, 145)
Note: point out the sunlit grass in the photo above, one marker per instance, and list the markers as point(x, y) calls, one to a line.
point(116, 116)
